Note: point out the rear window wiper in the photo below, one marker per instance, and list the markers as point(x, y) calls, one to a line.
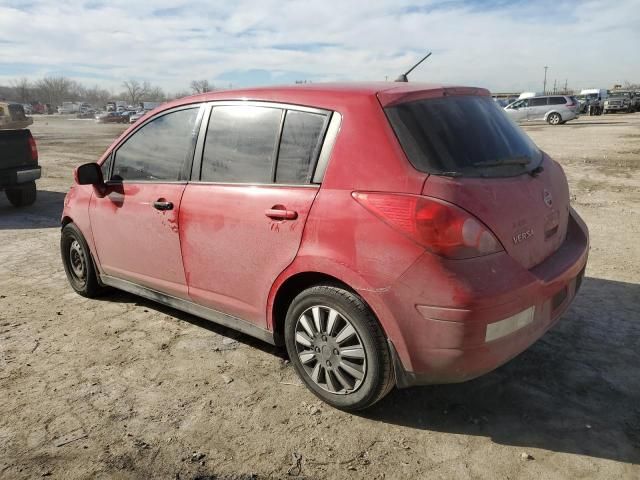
point(499, 163)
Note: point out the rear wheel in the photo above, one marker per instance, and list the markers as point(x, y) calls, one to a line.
point(77, 262)
point(554, 119)
point(338, 348)
point(23, 195)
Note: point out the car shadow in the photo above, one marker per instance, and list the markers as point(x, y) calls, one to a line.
point(113, 295)
point(577, 390)
point(44, 213)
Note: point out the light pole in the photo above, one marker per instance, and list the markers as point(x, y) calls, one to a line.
point(544, 85)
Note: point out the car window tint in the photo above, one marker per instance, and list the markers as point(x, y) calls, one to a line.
point(298, 146)
point(459, 134)
point(538, 101)
point(557, 101)
point(240, 144)
point(159, 150)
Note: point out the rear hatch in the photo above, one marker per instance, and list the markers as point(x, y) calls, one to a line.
point(15, 149)
point(481, 161)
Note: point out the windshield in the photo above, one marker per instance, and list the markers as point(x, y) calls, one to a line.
point(619, 94)
point(462, 136)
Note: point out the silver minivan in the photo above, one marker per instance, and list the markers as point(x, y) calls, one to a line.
point(553, 109)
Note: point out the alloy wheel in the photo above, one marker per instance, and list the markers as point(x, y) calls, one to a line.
point(330, 350)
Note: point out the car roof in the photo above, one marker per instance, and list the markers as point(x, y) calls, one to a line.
point(331, 94)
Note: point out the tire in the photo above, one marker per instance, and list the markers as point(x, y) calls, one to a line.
point(77, 261)
point(23, 195)
point(554, 119)
point(346, 362)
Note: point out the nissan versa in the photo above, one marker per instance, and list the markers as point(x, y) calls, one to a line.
point(387, 234)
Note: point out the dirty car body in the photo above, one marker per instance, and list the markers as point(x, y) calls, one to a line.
point(424, 204)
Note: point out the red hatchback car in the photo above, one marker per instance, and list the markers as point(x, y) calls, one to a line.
point(387, 234)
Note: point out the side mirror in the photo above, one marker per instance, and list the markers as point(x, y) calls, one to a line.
point(89, 174)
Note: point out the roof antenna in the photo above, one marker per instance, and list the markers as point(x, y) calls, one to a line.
point(403, 77)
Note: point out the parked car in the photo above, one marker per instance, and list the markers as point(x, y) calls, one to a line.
point(127, 114)
point(136, 116)
point(620, 101)
point(19, 167)
point(553, 109)
point(87, 114)
point(385, 234)
point(110, 117)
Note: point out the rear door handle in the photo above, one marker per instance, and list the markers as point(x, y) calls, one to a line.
point(162, 204)
point(281, 214)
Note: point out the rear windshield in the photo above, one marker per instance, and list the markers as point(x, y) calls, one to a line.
point(17, 111)
point(462, 136)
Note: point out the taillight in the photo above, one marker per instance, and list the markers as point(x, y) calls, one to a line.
point(439, 226)
point(32, 148)
point(571, 103)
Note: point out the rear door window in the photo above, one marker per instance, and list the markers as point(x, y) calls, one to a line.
point(557, 100)
point(240, 146)
point(299, 146)
point(462, 136)
point(538, 101)
point(160, 150)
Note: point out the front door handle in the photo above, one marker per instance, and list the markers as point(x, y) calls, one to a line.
point(280, 213)
point(162, 204)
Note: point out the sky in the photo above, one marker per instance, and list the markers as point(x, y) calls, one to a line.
point(502, 45)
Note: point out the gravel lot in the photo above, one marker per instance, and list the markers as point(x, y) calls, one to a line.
point(123, 388)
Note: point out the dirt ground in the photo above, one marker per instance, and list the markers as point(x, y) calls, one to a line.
point(123, 388)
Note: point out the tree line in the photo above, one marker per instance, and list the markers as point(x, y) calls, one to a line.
point(57, 89)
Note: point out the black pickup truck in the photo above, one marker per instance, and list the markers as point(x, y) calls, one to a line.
point(19, 168)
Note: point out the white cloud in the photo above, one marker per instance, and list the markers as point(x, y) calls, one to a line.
point(497, 44)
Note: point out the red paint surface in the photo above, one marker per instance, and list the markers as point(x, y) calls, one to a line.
point(136, 242)
point(232, 250)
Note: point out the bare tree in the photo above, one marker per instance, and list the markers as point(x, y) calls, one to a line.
point(201, 86)
point(54, 90)
point(22, 88)
point(154, 94)
point(134, 90)
point(96, 95)
point(176, 95)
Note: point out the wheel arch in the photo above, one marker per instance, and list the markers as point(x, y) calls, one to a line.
point(307, 273)
point(290, 288)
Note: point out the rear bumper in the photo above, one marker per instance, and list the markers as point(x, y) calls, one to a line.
point(16, 176)
point(498, 320)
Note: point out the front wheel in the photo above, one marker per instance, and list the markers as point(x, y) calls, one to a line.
point(23, 195)
point(77, 262)
point(554, 119)
point(338, 348)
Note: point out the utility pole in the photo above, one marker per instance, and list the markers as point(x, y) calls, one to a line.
point(565, 85)
point(544, 85)
point(554, 86)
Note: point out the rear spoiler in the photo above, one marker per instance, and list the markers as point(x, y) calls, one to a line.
point(395, 96)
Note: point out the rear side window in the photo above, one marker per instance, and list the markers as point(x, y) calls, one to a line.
point(17, 111)
point(557, 100)
point(299, 146)
point(159, 151)
point(462, 135)
point(241, 144)
point(538, 101)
